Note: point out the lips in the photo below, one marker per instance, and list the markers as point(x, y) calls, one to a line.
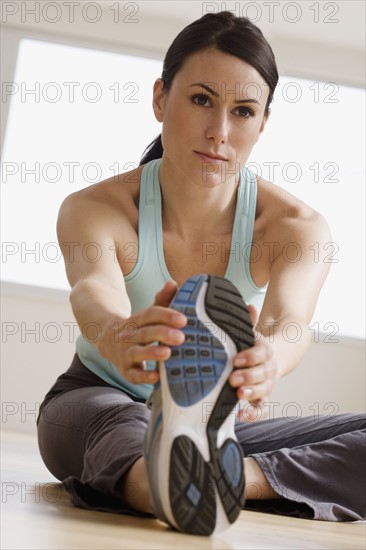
point(211, 157)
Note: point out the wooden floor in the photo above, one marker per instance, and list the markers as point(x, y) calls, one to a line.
point(36, 513)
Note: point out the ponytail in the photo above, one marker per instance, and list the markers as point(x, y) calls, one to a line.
point(153, 151)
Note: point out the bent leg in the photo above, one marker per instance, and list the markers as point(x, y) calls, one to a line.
point(316, 465)
point(328, 476)
point(89, 438)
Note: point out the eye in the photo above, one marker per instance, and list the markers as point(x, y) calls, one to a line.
point(245, 112)
point(200, 99)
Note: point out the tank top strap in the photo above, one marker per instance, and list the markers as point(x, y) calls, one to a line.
point(238, 270)
point(149, 273)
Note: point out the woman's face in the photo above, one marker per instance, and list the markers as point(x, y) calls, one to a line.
point(212, 116)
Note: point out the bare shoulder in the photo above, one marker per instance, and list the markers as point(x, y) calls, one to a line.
point(284, 218)
point(114, 200)
point(95, 224)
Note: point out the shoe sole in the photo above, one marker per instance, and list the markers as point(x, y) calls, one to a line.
point(204, 491)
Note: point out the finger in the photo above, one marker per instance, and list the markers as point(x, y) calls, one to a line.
point(162, 334)
point(258, 374)
point(253, 314)
point(260, 353)
point(166, 294)
point(158, 315)
point(248, 376)
point(256, 391)
point(135, 355)
point(137, 375)
point(253, 412)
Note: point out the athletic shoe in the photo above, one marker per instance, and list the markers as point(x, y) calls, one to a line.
point(194, 462)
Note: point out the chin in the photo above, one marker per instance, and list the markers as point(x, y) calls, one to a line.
point(210, 180)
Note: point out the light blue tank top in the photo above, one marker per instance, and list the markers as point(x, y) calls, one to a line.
point(150, 272)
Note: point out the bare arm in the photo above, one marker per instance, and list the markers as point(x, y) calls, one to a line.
point(283, 326)
point(87, 232)
point(295, 283)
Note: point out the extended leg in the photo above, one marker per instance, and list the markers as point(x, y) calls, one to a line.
point(135, 489)
point(256, 484)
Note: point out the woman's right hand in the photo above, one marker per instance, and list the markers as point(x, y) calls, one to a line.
point(129, 343)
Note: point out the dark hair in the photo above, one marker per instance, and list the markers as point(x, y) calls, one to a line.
point(227, 33)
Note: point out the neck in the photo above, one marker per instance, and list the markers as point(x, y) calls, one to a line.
point(193, 211)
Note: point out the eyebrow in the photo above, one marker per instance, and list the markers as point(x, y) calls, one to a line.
point(216, 94)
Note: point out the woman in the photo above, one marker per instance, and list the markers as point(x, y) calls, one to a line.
point(192, 207)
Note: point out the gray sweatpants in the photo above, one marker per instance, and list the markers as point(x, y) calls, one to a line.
point(90, 434)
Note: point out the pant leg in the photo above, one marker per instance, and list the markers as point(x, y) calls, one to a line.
point(89, 437)
point(316, 464)
point(90, 434)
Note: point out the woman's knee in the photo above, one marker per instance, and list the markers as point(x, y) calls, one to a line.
point(61, 447)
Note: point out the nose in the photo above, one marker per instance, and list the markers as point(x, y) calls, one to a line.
point(217, 126)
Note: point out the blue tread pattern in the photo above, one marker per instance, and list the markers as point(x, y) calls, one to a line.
point(195, 366)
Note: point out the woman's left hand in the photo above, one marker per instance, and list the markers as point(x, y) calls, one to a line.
point(255, 375)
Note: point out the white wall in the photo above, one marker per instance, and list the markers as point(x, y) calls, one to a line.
point(31, 362)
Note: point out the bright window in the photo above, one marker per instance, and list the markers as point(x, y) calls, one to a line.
point(78, 116)
point(314, 147)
